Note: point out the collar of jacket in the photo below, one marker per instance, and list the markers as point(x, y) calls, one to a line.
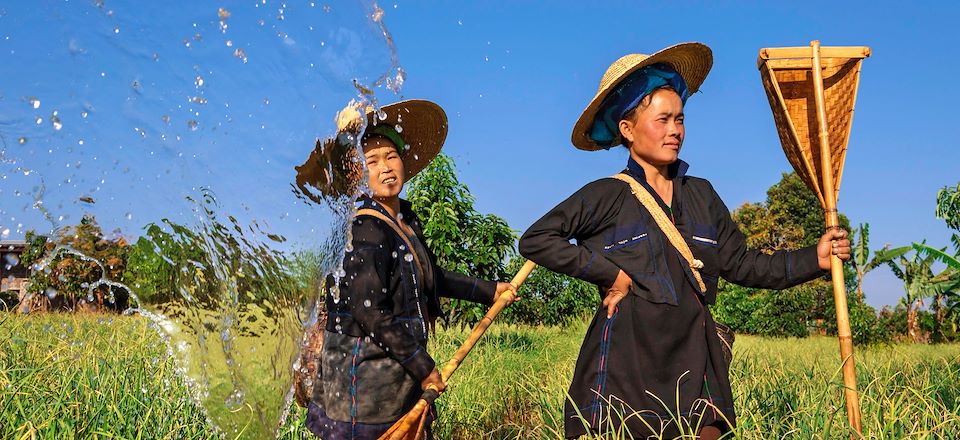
point(367, 202)
point(675, 170)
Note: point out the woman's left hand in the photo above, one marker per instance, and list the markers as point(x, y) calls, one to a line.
point(506, 287)
point(834, 242)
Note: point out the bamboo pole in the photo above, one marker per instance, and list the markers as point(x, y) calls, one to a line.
point(836, 266)
point(488, 318)
point(411, 425)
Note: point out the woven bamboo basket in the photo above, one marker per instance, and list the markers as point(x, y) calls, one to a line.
point(788, 80)
point(812, 91)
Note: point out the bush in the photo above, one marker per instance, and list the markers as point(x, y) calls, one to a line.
point(549, 298)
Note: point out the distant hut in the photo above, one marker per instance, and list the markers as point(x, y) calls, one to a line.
point(14, 276)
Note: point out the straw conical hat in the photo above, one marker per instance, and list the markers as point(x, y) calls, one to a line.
point(691, 60)
point(332, 168)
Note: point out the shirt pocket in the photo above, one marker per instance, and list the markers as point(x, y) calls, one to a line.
point(706, 248)
point(628, 246)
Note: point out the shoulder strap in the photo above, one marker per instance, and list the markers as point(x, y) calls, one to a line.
point(668, 228)
point(396, 228)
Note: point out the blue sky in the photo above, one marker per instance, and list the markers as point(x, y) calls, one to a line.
point(512, 76)
point(515, 77)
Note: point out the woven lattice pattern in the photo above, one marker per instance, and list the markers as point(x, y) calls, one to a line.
point(791, 95)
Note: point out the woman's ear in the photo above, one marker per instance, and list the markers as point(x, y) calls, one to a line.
point(626, 130)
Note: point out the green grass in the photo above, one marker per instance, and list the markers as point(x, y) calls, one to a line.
point(70, 376)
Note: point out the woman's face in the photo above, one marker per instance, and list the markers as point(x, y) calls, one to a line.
point(655, 133)
point(384, 167)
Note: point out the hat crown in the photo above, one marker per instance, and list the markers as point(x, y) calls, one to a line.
point(616, 70)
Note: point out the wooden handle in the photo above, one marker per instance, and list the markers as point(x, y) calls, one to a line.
point(481, 326)
point(836, 266)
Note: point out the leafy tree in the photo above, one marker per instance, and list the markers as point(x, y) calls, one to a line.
point(920, 282)
point(78, 266)
point(790, 218)
point(948, 206)
point(861, 261)
point(462, 239)
point(549, 298)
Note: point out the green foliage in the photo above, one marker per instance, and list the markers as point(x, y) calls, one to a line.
point(948, 206)
point(78, 266)
point(86, 376)
point(463, 240)
point(549, 298)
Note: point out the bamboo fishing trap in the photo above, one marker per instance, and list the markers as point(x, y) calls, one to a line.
point(812, 91)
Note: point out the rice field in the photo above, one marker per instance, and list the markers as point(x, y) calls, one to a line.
point(104, 376)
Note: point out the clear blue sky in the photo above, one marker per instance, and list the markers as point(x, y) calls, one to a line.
point(512, 76)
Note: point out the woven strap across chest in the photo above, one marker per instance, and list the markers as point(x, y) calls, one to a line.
point(396, 228)
point(667, 226)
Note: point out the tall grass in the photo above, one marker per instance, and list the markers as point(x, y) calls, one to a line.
point(82, 376)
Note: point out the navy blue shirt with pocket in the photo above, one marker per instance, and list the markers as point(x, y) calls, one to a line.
point(662, 340)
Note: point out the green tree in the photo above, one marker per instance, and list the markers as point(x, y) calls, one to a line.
point(919, 283)
point(861, 261)
point(550, 298)
point(78, 266)
point(948, 206)
point(463, 240)
point(790, 218)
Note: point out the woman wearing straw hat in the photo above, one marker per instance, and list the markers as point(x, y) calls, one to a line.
point(374, 364)
point(655, 240)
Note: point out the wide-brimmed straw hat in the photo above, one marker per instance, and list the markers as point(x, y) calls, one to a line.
point(691, 60)
point(423, 126)
point(332, 168)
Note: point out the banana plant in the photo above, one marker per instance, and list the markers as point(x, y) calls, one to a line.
point(861, 261)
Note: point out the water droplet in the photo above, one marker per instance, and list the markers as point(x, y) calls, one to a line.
point(34, 102)
point(193, 125)
point(39, 120)
point(399, 128)
point(406, 147)
point(394, 254)
point(84, 114)
point(129, 216)
point(460, 22)
point(416, 156)
point(348, 247)
point(240, 54)
point(229, 43)
point(116, 30)
point(136, 86)
point(408, 257)
point(198, 100)
point(165, 119)
point(55, 121)
point(51, 293)
point(367, 303)
point(22, 140)
point(223, 13)
point(198, 81)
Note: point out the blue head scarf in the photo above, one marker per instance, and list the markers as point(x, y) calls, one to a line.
point(627, 96)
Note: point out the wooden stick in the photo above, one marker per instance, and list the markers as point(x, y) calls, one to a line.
point(826, 52)
point(836, 266)
point(481, 326)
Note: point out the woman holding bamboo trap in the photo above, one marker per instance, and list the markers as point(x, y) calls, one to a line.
point(374, 364)
point(655, 240)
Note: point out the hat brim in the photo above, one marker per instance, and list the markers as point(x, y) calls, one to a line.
point(691, 60)
point(332, 171)
point(422, 124)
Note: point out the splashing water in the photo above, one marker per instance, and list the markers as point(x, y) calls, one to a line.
point(179, 129)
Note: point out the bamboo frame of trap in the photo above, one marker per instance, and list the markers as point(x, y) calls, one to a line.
point(812, 91)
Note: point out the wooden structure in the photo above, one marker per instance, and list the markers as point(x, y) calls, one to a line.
point(14, 276)
point(812, 91)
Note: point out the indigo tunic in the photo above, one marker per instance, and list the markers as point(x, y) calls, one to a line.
point(374, 354)
point(657, 362)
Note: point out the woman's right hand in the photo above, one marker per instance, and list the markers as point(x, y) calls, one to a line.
point(616, 292)
point(435, 380)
